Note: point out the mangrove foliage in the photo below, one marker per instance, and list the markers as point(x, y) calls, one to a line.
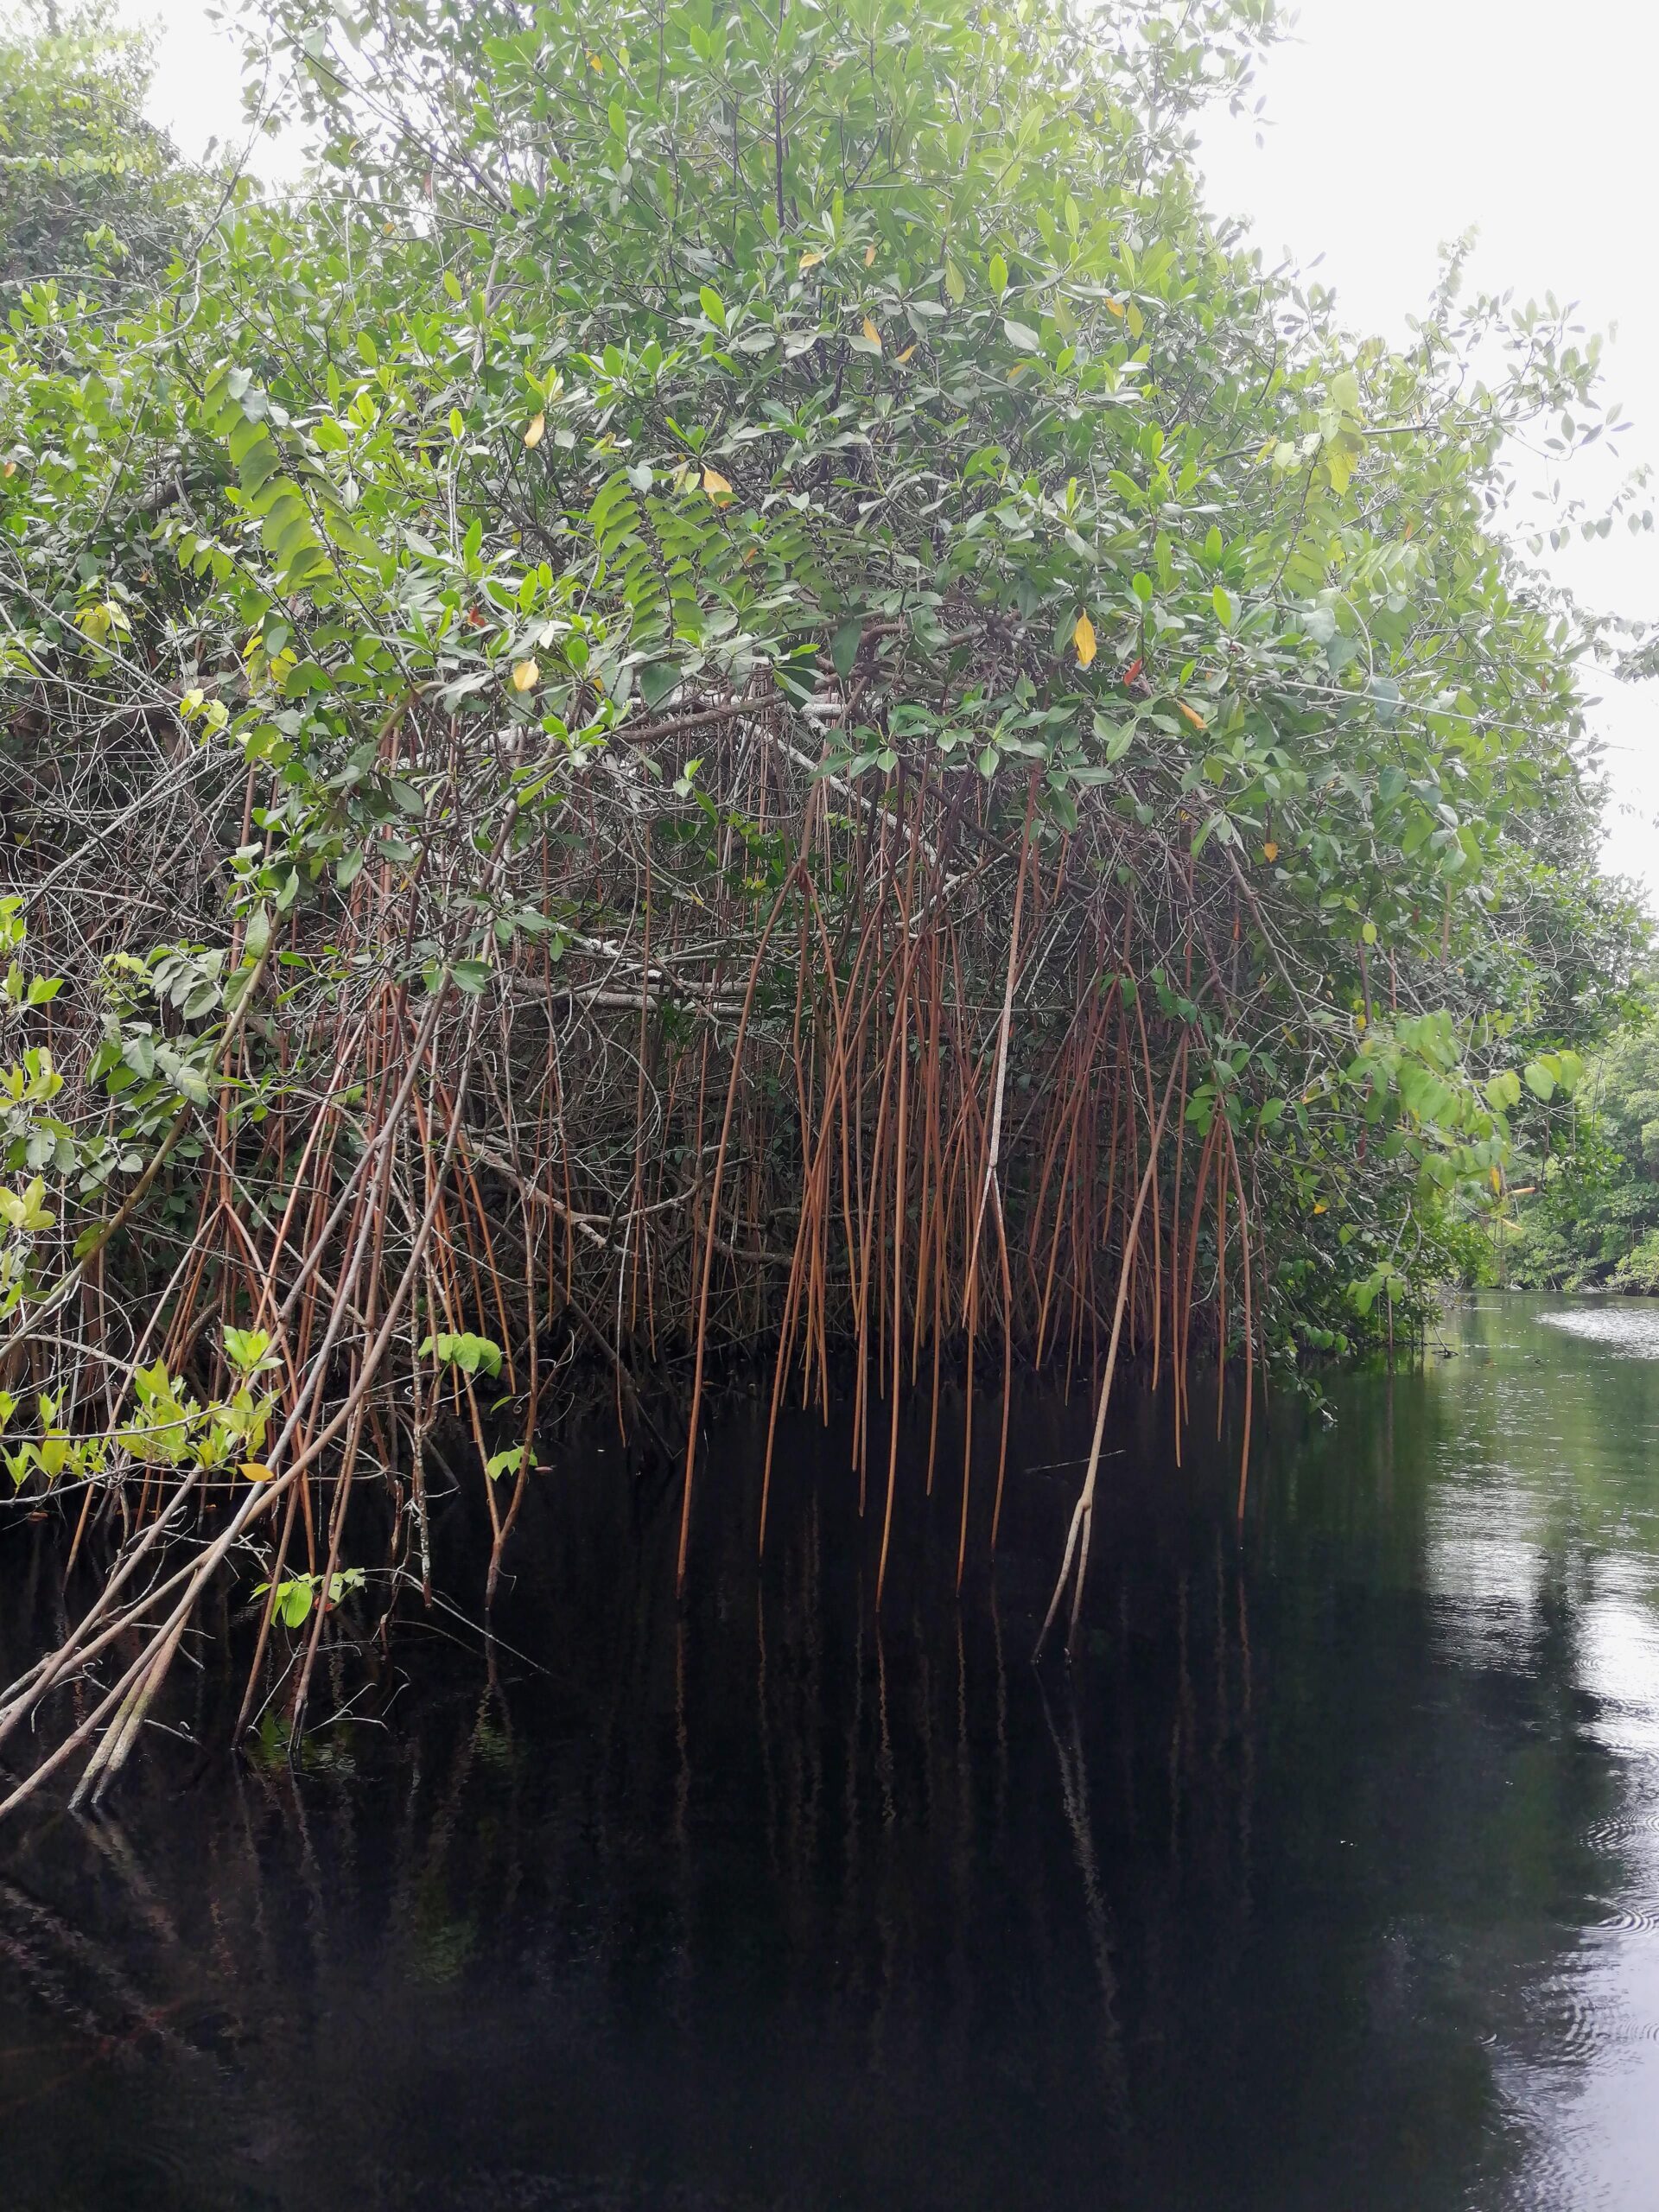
point(739, 690)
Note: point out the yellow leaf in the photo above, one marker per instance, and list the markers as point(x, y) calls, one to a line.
point(1083, 639)
point(716, 485)
point(1269, 852)
point(1115, 307)
point(871, 333)
point(1192, 715)
point(1320, 1207)
point(256, 1471)
point(900, 358)
point(869, 255)
point(524, 674)
point(533, 433)
point(809, 261)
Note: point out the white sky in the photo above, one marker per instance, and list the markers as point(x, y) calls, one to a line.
point(1389, 128)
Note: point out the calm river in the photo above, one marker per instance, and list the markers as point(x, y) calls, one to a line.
point(1326, 1879)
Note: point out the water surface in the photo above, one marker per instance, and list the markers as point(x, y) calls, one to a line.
point(1327, 1877)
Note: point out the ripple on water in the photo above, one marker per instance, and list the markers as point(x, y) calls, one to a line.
point(1619, 1832)
point(1630, 1331)
point(1628, 1917)
point(1582, 2027)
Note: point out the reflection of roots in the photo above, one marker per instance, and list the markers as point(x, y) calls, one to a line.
point(485, 1868)
point(1074, 1796)
point(75, 1980)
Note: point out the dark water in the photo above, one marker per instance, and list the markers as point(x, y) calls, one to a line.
point(1327, 1878)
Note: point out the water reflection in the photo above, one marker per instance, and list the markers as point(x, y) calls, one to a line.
point(1328, 1875)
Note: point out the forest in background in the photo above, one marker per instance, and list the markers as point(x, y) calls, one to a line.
point(1587, 1215)
point(739, 689)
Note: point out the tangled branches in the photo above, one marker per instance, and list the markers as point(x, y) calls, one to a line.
point(729, 740)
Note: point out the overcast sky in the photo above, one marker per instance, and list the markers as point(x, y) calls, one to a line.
point(1388, 129)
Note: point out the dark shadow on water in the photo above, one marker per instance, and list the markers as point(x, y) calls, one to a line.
point(1292, 1894)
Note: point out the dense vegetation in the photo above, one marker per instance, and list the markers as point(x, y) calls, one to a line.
point(741, 687)
point(1587, 1217)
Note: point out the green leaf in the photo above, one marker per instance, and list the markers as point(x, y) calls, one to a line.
point(1116, 737)
point(258, 934)
point(656, 679)
point(248, 1349)
point(843, 648)
point(461, 1349)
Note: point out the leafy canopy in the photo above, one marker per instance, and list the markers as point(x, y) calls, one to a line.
point(628, 366)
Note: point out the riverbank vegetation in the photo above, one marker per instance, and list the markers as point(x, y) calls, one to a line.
point(1586, 1217)
point(739, 690)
